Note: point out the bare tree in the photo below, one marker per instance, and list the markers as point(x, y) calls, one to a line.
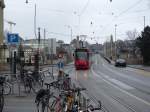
point(132, 35)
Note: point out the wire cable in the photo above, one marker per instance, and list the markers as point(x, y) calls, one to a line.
point(84, 8)
point(123, 12)
point(131, 7)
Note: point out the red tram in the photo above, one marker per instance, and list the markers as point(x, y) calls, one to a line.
point(82, 58)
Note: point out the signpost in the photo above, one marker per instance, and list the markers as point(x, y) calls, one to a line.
point(12, 38)
point(13, 41)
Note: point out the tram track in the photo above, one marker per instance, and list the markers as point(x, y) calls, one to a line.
point(119, 100)
point(93, 98)
point(129, 107)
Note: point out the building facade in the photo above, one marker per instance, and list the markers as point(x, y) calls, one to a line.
point(2, 6)
point(2, 49)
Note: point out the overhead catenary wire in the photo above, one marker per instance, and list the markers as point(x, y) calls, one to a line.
point(129, 8)
point(123, 12)
point(85, 7)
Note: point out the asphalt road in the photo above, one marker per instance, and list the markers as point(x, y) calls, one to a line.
point(119, 89)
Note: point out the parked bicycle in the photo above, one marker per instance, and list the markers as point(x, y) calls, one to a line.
point(67, 99)
point(2, 80)
point(5, 89)
point(64, 80)
point(31, 82)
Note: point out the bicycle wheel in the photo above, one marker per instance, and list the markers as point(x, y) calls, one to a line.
point(27, 85)
point(41, 108)
point(1, 103)
point(40, 81)
point(7, 88)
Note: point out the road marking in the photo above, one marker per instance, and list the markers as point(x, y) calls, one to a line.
point(125, 76)
point(121, 84)
point(131, 95)
point(106, 76)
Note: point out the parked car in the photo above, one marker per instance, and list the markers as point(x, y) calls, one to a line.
point(120, 62)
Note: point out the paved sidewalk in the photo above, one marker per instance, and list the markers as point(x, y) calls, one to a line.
point(21, 103)
point(25, 102)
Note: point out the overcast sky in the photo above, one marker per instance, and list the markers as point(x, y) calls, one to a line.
point(95, 18)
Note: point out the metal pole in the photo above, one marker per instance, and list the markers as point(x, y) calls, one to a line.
point(44, 46)
point(79, 25)
point(37, 54)
point(71, 34)
point(115, 41)
point(52, 54)
point(144, 21)
point(35, 22)
point(39, 37)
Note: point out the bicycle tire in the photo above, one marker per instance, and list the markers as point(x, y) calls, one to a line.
point(41, 108)
point(27, 85)
point(1, 103)
point(28, 89)
point(7, 88)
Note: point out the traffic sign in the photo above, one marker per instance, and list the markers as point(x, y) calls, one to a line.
point(12, 38)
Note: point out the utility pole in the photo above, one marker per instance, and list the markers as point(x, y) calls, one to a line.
point(77, 43)
point(52, 54)
point(36, 67)
point(35, 21)
point(71, 34)
point(39, 37)
point(115, 41)
point(44, 46)
point(144, 21)
point(111, 46)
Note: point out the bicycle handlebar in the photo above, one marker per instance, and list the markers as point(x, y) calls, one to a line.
point(50, 84)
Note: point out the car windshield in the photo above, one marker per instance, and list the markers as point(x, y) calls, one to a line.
point(120, 60)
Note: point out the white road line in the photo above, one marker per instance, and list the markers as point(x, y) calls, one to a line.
point(124, 75)
point(131, 95)
point(121, 84)
point(106, 76)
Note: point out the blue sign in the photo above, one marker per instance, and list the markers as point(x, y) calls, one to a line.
point(60, 65)
point(13, 38)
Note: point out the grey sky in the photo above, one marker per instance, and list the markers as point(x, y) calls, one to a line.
point(55, 15)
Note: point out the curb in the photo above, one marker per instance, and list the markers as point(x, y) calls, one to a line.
point(110, 62)
point(138, 68)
